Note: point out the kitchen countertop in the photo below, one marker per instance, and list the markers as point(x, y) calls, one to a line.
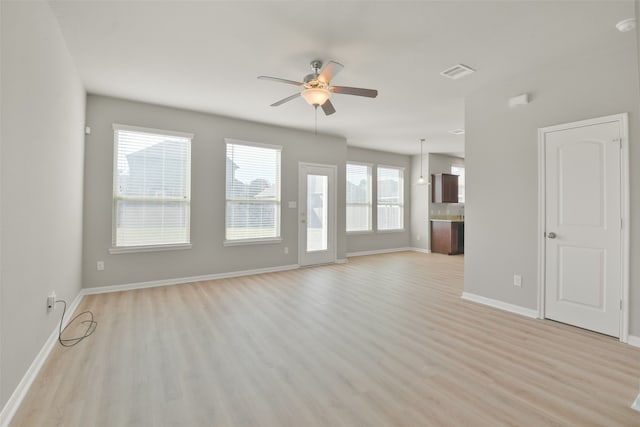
point(447, 218)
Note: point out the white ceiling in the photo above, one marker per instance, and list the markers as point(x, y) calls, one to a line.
point(206, 55)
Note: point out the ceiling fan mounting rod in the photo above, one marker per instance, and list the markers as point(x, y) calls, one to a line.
point(316, 64)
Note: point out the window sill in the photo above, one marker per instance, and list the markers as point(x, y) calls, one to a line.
point(267, 241)
point(150, 248)
point(395, 230)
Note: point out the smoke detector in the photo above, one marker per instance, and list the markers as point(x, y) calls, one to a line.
point(626, 25)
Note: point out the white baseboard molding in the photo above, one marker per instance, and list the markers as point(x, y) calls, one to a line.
point(378, 252)
point(636, 404)
point(633, 340)
point(181, 280)
point(512, 308)
point(342, 261)
point(421, 250)
point(12, 405)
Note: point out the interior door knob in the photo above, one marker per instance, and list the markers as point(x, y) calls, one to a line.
point(551, 235)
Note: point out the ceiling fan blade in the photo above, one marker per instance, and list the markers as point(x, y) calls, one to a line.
point(329, 71)
point(369, 93)
point(279, 80)
point(328, 108)
point(287, 99)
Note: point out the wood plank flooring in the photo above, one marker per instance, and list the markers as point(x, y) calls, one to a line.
point(384, 340)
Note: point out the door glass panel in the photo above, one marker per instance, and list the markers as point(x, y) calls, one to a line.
point(317, 227)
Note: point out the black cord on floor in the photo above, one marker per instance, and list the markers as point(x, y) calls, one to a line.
point(91, 327)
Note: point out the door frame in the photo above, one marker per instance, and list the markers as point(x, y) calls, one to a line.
point(332, 214)
point(623, 122)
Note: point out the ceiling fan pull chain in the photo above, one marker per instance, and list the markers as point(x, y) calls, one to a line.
point(316, 113)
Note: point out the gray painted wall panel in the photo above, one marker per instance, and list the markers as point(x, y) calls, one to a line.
point(43, 105)
point(208, 255)
point(420, 199)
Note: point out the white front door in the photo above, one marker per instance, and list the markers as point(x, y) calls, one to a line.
point(317, 214)
point(583, 279)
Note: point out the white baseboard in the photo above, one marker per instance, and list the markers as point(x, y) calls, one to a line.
point(633, 340)
point(388, 251)
point(378, 252)
point(21, 390)
point(636, 404)
point(512, 308)
point(180, 280)
point(422, 250)
point(341, 261)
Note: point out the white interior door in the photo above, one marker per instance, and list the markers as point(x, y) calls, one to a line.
point(317, 214)
point(583, 272)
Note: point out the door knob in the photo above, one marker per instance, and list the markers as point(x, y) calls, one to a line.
point(551, 235)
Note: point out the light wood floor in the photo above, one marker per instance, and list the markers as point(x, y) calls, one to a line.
point(381, 341)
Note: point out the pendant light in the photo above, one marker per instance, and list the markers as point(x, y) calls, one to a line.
point(421, 180)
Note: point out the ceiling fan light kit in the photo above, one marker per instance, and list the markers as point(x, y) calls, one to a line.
point(317, 89)
point(316, 95)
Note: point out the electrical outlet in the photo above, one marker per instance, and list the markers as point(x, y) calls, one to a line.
point(517, 280)
point(100, 265)
point(286, 250)
point(51, 302)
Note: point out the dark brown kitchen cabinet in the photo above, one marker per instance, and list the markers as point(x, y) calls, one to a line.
point(447, 237)
point(444, 188)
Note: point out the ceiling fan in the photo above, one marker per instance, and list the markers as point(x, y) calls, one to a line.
point(316, 87)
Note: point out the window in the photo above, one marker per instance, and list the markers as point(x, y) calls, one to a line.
point(151, 188)
point(459, 170)
point(390, 198)
point(358, 197)
point(253, 192)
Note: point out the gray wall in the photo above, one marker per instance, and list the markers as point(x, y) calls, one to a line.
point(420, 199)
point(361, 242)
point(441, 163)
point(501, 165)
point(637, 31)
point(43, 104)
point(208, 255)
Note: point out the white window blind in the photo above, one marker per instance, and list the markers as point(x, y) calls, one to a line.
point(252, 192)
point(151, 187)
point(390, 198)
point(358, 197)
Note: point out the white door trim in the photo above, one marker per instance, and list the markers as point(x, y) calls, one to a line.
point(333, 217)
point(622, 120)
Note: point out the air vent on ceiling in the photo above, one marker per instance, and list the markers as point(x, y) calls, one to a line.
point(457, 131)
point(457, 71)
